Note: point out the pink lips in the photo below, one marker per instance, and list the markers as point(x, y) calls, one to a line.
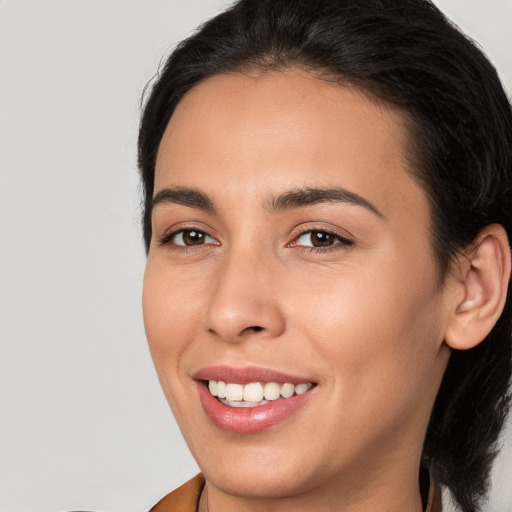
point(247, 375)
point(248, 420)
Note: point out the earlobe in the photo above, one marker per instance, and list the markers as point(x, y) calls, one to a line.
point(485, 275)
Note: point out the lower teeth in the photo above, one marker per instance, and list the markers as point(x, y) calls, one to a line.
point(242, 403)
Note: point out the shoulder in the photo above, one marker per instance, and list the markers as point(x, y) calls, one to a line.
point(182, 499)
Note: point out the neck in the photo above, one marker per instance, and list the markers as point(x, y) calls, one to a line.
point(370, 494)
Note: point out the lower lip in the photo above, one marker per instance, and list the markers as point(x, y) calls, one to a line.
point(248, 420)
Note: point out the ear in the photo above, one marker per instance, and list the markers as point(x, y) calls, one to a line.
point(482, 281)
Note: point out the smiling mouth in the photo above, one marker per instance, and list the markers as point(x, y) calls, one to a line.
point(254, 394)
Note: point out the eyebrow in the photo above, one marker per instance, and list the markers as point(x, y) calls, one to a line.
point(184, 196)
point(310, 196)
point(291, 199)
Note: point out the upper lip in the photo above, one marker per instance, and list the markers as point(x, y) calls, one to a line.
point(247, 374)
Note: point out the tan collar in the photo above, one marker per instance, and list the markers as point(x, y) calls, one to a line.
point(183, 499)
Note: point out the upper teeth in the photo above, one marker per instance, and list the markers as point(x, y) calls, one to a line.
point(256, 391)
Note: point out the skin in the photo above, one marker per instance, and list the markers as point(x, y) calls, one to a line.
point(365, 321)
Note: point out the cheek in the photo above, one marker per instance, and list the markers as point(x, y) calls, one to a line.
point(171, 315)
point(377, 330)
point(171, 318)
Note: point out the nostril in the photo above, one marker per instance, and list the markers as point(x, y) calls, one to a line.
point(251, 328)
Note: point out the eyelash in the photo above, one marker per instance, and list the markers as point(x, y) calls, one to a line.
point(342, 242)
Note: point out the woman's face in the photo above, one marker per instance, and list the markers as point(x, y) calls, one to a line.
point(291, 245)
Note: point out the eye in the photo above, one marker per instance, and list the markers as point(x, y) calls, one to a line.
point(188, 237)
point(319, 239)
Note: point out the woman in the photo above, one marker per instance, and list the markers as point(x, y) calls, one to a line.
point(327, 212)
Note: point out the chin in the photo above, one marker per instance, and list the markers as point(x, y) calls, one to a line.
point(259, 467)
point(252, 481)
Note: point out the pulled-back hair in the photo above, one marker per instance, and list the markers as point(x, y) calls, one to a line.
point(459, 148)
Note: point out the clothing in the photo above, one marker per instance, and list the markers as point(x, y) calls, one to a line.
point(186, 497)
point(183, 499)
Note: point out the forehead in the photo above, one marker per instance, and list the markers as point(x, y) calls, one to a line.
point(270, 129)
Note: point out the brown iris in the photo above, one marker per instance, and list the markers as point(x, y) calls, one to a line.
point(193, 237)
point(322, 239)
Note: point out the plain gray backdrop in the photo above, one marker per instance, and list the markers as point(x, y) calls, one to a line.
point(83, 422)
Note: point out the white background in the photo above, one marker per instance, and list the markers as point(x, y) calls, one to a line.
point(83, 423)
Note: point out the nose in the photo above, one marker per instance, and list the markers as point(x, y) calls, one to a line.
point(245, 301)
